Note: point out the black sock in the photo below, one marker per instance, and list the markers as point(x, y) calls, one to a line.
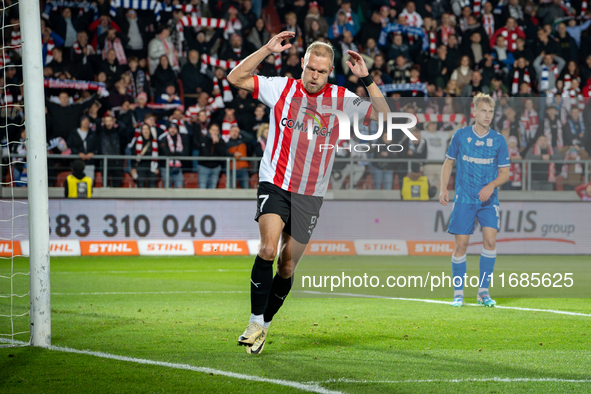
point(261, 280)
point(279, 291)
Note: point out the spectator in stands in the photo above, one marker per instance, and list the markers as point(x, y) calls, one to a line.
point(80, 57)
point(548, 67)
point(340, 24)
point(210, 145)
point(575, 30)
point(543, 176)
point(139, 80)
point(163, 76)
point(49, 41)
point(552, 128)
point(77, 184)
point(398, 48)
point(133, 30)
point(545, 45)
point(173, 143)
point(140, 110)
point(584, 191)
point(574, 129)
point(436, 142)
point(145, 165)
point(85, 143)
point(236, 50)
point(510, 31)
point(475, 86)
point(162, 45)
point(438, 70)
point(236, 147)
point(568, 46)
point(111, 67)
point(463, 74)
point(400, 70)
point(169, 97)
point(522, 51)
point(550, 11)
point(65, 115)
point(194, 81)
point(109, 135)
point(314, 15)
point(113, 40)
point(382, 172)
point(60, 67)
point(572, 173)
point(415, 185)
point(515, 168)
point(67, 25)
point(262, 134)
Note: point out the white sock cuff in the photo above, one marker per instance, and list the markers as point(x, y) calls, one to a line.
point(489, 253)
point(457, 260)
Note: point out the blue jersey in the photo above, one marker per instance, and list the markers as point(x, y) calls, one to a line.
point(478, 159)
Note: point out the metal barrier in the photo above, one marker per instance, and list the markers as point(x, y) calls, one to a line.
point(230, 163)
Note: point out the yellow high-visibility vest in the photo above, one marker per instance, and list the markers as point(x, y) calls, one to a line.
point(415, 190)
point(79, 188)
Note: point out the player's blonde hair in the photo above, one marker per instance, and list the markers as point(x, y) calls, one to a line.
point(321, 49)
point(483, 98)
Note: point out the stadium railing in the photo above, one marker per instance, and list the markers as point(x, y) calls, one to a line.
point(59, 165)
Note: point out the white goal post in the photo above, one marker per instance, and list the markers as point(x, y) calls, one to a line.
point(40, 314)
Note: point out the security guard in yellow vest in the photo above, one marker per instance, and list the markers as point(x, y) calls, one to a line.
point(77, 184)
point(415, 186)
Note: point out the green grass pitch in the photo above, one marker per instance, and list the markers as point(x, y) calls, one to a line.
point(190, 311)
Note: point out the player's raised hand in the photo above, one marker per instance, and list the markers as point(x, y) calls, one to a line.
point(275, 44)
point(444, 197)
point(485, 193)
point(357, 64)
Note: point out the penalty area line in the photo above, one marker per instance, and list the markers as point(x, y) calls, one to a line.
point(150, 292)
point(468, 380)
point(517, 308)
point(310, 387)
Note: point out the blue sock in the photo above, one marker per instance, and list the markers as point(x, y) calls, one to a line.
point(458, 269)
point(487, 266)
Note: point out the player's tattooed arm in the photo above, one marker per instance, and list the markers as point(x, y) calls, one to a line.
point(241, 75)
point(489, 189)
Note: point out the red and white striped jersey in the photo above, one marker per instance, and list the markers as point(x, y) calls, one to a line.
point(291, 161)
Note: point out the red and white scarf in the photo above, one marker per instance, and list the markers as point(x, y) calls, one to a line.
point(584, 7)
point(446, 31)
point(78, 50)
point(16, 41)
point(432, 42)
point(488, 22)
point(50, 46)
point(174, 147)
point(7, 99)
point(576, 98)
point(4, 60)
point(567, 79)
point(170, 49)
point(530, 122)
point(232, 26)
point(204, 22)
point(213, 105)
point(335, 30)
point(212, 61)
point(224, 87)
point(476, 8)
point(118, 47)
point(551, 166)
point(277, 57)
point(139, 144)
point(515, 85)
point(226, 126)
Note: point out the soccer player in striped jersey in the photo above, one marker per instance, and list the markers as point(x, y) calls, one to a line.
point(294, 171)
point(482, 165)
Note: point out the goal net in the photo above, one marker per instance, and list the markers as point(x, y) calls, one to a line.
point(24, 283)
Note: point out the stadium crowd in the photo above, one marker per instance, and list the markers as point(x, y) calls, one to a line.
point(151, 81)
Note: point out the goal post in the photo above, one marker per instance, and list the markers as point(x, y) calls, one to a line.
point(40, 314)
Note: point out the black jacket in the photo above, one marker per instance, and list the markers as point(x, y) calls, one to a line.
point(67, 119)
point(76, 144)
point(208, 149)
point(193, 78)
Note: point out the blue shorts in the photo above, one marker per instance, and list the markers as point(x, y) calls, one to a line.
point(463, 216)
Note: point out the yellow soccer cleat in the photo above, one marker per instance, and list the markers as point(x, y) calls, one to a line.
point(252, 332)
point(259, 343)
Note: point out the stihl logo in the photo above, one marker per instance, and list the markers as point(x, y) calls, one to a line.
point(434, 248)
point(329, 247)
point(221, 247)
point(166, 247)
point(5, 248)
point(110, 248)
point(380, 247)
point(60, 248)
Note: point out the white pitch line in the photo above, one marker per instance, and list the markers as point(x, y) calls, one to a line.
point(148, 292)
point(469, 380)
point(311, 387)
point(447, 303)
point(143, 271)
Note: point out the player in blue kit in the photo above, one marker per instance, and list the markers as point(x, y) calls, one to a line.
point(482, 165)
